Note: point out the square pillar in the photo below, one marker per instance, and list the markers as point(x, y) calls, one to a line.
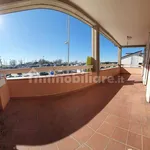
point(146, 78)
point(148, 89)
point(144, 62)
point(4, 93)
point(119, 56)
point(96, 49)
point(146, 65)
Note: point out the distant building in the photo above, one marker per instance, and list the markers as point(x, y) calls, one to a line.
point(132, 59)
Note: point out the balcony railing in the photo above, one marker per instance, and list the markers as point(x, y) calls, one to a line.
point(130, 65)
point(103, 66)
point(44, 69)
point(55, 69)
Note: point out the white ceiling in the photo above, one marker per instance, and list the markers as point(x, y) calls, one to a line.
point(121, 18)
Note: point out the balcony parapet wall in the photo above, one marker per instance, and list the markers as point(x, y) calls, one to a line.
point(55, 85)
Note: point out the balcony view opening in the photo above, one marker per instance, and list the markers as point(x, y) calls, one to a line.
point(43, 38)
point(109, 59)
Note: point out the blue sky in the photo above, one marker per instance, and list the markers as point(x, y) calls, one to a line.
point(30, 35)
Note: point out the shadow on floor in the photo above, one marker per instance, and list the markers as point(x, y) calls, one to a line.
point(44, 120)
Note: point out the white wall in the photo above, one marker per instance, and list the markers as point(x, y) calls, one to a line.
point(132, 61)
point(136, 60)
point(126, 61)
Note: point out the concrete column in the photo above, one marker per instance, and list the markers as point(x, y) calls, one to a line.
point(146, 66)
point(96, 49)
point(144, 61)
point(147, 76)
point(119, 56)
point(148, 89)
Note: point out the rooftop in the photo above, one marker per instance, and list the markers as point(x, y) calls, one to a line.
point(138, 53)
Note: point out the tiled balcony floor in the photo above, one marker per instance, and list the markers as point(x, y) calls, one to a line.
point(102, 117)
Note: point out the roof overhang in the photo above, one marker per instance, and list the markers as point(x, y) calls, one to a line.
point(121, 19)
point(133, 46)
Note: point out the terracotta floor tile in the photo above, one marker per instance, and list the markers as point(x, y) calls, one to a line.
point(136, 118)
point(125, 115)
point(113, 145)
point(146, 143)
point(116, 110)
point(98, 142)
point(48, 120)
point(43, 147)
point(112, 110)
point(67, 144)
point(148, 118)
point(146, 130)
point(83, 134)
point(123, 123)
point(27, 115)
point(26, 125)
point(130, 148)
point(34, 147)
point(135, 128)
point(106, 109)
point(21, 137)
point(120, 135)
point(134, 140)
point(138, 109)
point(10, 121)
point(106, 129)
point(148, 107)
point(145, 120)
point(126, 103)
point(6, 135)
point(8, 146)
point(20, 147)
point(83, 147)
point(49, 147)
point(97, 120)
point(112, 120)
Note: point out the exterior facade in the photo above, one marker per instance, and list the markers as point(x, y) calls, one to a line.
point(132, 59)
